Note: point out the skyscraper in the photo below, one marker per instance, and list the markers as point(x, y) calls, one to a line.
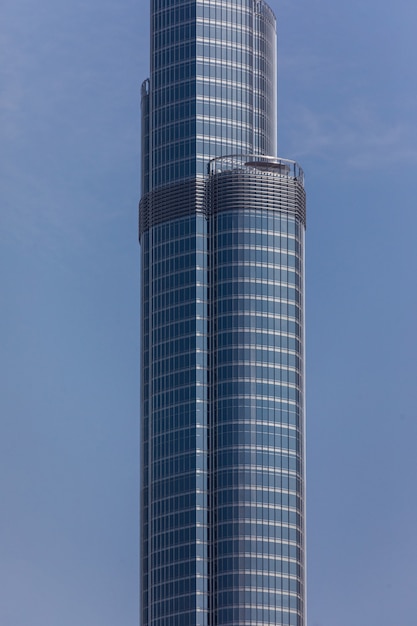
point(222, 241)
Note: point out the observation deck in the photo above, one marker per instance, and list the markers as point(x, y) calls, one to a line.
point(257, 163)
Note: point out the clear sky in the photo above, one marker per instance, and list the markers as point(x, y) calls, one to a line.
point(69, 316)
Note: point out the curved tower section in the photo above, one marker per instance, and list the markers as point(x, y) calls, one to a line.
point(257, 221)
point(222, 383)
point(211, 92)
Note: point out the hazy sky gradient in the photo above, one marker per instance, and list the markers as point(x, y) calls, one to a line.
point(69, 270)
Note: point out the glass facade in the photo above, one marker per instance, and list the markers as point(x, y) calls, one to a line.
point(222, 244)
point(212, 90)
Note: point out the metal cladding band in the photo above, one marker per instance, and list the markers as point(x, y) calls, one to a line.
point(250, 182)
point(234, 182)
point(170, 202)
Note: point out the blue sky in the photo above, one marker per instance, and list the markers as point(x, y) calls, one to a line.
point(69, 271)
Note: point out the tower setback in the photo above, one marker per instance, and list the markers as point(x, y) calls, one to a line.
point(221, 229)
